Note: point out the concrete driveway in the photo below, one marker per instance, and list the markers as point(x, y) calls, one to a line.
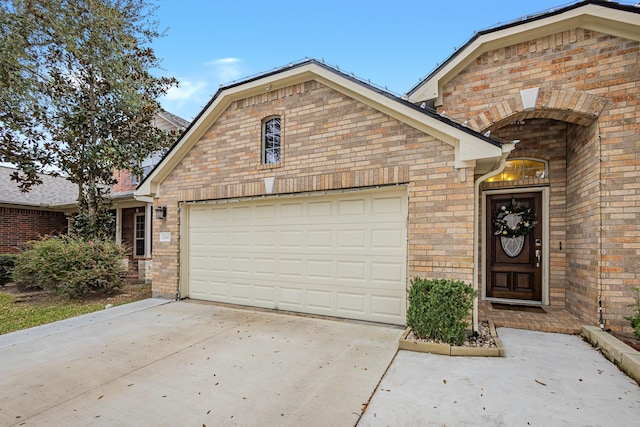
point(154, 363)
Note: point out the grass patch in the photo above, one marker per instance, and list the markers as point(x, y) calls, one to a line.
point(15, 316)
point(18, 313)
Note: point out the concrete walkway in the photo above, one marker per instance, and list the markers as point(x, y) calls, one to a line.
point(155, 363)
point(545, 379)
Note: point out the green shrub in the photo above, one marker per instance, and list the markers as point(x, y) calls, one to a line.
point(7, 263)
point(635, 319)
point(71, 266)
point(438, 309)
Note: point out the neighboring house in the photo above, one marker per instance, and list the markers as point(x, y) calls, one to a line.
point(309, 190)
point(29, 216)
point(134, 214)
point(44, 209)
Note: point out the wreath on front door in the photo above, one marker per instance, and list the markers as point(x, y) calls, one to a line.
point(505, 227)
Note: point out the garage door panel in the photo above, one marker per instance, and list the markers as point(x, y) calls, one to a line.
point(241, 213)
point(387, 239)
point(386, 306)
point(291, 239)
point(265, 267)
point(292, 210)
point(207, 289)
point(292, 268)
point(320, 211)
point(352, 239)
point(387, 272)
point(387, 205)
point(319, 239)
point(351, 270)
point(240, 266)
point(339, 255)
point(351, 302)
point(320, 299)
point(264, 239)
point(218, 264)
point(320, 269)
point(351, 207)
point(291, 296)
point(265, 294)
point(265, 212)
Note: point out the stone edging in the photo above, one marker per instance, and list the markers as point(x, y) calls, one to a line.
point(624, 356)
point(452, 350)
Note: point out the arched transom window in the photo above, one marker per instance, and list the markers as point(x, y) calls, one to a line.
point(519, 169)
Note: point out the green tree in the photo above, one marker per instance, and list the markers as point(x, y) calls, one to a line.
point(78, 96)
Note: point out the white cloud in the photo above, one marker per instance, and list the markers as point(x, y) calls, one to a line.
point(185, 90)
point(187, 99)
point(226, 69)
point(193, 93)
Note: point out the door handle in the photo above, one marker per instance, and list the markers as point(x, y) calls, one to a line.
point(538, 255)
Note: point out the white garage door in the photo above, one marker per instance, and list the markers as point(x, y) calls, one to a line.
point(339, 255)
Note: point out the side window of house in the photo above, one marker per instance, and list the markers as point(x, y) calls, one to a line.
point(139, 237)
point(271, 140)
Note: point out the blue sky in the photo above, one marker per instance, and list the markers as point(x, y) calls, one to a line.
point(393, 43)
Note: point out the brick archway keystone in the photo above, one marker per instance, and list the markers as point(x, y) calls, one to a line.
point(568, 106)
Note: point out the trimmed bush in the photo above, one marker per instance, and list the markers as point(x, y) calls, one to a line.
point(7, 263)
point(635, 318)
point(71, 266)
point(438, 309)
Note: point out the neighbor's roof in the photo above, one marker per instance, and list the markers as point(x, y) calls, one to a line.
point(54, 192)
point(469, 144)
point(176, 120)
point(596, 15)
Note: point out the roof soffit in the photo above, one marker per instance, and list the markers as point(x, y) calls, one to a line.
point(615, 22)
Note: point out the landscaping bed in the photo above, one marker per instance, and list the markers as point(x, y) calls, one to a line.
point(486, 343)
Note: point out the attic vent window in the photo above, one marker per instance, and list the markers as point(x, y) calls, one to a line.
point(519, 169)
point(271, 136)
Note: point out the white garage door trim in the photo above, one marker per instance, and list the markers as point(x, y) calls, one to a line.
point(341, 254)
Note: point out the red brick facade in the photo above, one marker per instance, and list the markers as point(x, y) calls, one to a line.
point(19, 226)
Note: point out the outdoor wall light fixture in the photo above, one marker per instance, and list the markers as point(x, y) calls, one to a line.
point(161, 212)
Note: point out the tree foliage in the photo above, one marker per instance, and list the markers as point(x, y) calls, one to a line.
point(77, 94)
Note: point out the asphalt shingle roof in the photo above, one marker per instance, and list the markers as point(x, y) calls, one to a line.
point(54, 191)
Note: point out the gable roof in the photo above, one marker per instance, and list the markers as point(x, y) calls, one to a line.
point(176, 121)
point(596, 15)
point(469, 144)
point(54, 192)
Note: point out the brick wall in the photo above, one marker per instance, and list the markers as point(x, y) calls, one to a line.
point(588, 82)
point(18, 226)
point(330, 142)
point(124, 181)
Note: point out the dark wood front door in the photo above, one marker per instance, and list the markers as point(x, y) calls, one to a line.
point(514, 268)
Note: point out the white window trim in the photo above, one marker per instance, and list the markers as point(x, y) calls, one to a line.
point(135, 238)
point(263, 136)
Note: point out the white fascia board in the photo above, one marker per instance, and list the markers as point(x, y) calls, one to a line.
point(601, 19)
point(351, 88)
